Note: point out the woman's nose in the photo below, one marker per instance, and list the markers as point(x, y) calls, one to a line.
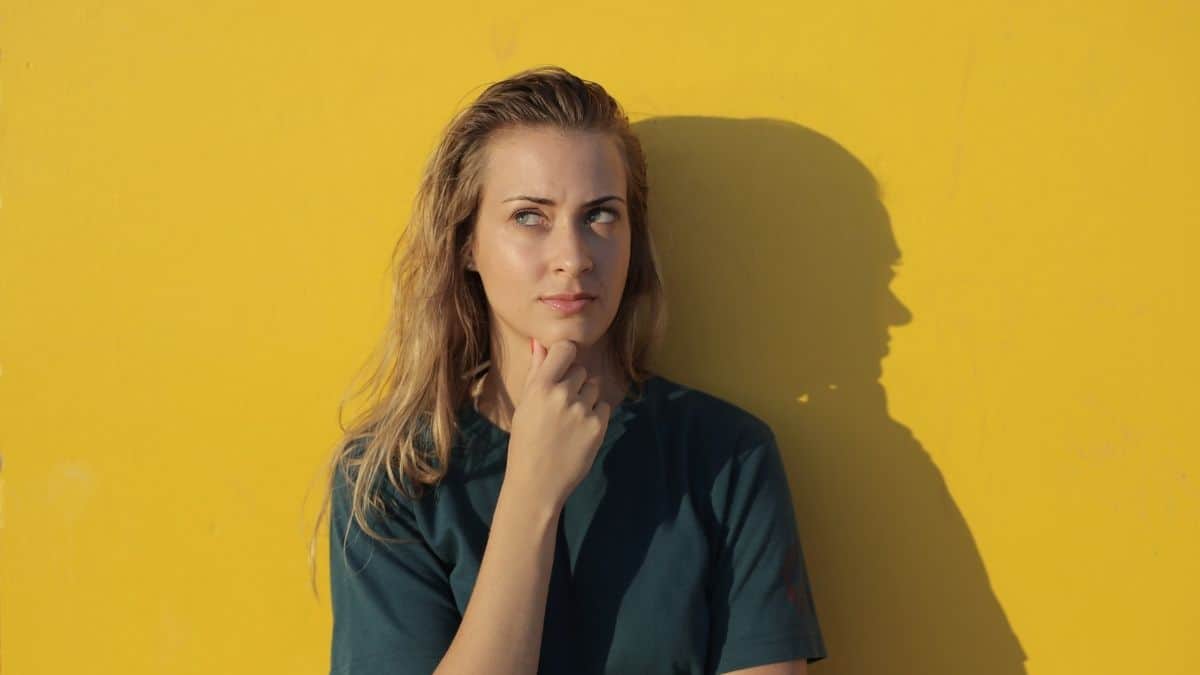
point(571, 248)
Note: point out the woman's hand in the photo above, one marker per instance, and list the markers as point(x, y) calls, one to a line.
point(557, 426)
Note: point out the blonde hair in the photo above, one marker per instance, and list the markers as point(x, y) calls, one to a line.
point(438, 337)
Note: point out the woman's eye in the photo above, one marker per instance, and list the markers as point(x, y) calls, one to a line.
point(612, 215)
point(517, 216)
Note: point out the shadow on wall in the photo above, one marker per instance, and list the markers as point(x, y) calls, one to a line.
point(777, 254)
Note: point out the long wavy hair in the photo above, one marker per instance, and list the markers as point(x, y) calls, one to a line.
point(437, 339)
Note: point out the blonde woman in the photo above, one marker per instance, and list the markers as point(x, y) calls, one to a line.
point(522, 495)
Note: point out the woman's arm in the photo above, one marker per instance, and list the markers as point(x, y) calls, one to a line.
point(501, 630)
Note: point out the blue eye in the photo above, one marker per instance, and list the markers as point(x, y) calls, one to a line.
point(611, 212)
point(518, 214)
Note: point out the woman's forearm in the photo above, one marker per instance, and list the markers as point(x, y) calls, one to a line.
point(501, 630)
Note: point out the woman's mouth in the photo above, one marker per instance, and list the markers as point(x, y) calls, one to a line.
point(568, 307)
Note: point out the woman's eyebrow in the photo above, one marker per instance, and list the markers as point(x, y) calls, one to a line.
point(550, 202)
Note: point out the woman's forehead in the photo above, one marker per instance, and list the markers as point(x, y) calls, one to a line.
point(555, 165)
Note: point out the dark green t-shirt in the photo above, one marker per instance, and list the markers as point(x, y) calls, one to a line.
point(678, 553)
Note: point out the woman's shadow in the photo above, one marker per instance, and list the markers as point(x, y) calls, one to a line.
point(777, 254)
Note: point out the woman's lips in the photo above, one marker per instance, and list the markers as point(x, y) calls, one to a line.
point(568, 307)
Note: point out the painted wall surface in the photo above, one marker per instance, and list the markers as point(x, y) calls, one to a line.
point(993, 454)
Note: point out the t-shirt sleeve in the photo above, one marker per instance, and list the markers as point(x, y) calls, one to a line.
point(762, 609)
point(393, 609)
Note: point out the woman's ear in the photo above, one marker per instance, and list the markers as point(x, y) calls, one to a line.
point(469, 251)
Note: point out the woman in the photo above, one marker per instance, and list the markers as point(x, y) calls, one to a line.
point(523, 495)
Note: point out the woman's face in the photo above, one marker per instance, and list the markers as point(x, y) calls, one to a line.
point(552, 219)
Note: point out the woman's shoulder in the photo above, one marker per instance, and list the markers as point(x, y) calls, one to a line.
point(351, 465)
point(701, 414)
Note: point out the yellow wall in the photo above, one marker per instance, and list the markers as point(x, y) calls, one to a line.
point(198, 201)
